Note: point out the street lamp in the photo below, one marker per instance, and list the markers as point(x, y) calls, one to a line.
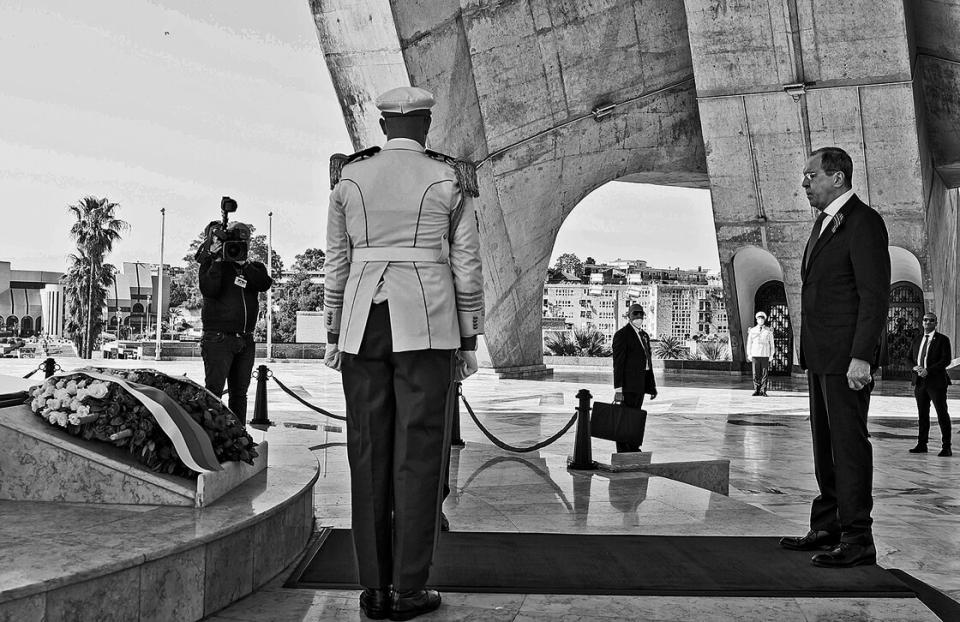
point(270, 290)
point(163, 221)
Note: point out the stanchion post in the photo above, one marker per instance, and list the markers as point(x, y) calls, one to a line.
point(260, 419)
point(582, 447)
point(49, 367)
point(455, 440)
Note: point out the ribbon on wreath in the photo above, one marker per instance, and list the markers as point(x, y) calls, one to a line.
point(189, 439)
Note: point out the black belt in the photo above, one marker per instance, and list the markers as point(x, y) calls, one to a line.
point(226, 334)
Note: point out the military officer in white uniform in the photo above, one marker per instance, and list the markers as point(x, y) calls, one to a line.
point(403, 305)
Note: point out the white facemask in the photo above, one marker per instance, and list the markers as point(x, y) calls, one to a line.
point(637, 323)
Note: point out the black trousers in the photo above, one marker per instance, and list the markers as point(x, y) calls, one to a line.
point(228, 359)
point(761, 367)
point(633, 400)
point(925, 395)
point(842, 457)
point(398, 444)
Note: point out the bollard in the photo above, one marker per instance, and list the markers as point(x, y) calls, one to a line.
point(260, 419)
point(582, 448)
point(49, 367)
point(455, 440)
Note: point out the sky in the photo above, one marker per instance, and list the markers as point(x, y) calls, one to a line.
point(174, 104)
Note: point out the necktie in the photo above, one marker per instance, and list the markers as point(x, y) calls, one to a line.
point(814, 235)
point(923, 353)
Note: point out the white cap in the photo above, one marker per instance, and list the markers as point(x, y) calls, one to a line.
point(404, 99)
point(761, 314)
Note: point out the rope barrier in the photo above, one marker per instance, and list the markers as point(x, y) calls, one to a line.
point(502, 445)
point(306, 403)
point(486, 432)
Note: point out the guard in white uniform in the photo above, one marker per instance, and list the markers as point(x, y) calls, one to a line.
point(403, 305)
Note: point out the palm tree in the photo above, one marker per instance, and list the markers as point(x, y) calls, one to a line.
point(95, 230)
point(713, 350)
point(587, 342)
point(669, 347)
point(590, 342)
point(76, 285)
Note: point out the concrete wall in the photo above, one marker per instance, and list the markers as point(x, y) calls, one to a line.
point(699, 93)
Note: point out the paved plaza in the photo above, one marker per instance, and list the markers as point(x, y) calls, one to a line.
point(696, 416)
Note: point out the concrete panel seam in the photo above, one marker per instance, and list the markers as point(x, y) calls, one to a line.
point(570, 121)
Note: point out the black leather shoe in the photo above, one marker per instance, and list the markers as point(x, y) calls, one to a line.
point(444, 522)
point(755, 394)
point(919, 449)
point(945, 452)
point(846, 555)
point(375, 604)
point(813, 541)
point(407, 605)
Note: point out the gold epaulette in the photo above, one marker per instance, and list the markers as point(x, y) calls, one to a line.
point(465, 171)
point(339, 160)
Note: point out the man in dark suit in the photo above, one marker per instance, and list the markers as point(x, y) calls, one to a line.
point(632, 366)
point(931, 352)
point(845, 293)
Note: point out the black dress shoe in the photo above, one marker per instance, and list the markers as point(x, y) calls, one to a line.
point(945, 452)
point(813, 541)
point(444, 522)
point(846, 555)
point(375, 604)
point(407, 605)
point(919, 449)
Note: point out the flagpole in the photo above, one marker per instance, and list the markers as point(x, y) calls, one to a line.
point(163, 222)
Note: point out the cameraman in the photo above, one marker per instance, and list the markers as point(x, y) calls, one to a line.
point(230, 289)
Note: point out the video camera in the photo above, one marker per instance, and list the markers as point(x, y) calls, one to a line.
point(235, 240)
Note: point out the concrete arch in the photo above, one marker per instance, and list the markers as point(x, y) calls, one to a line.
point(752, 267)
point(904, 266)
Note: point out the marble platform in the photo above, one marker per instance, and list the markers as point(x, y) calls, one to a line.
point(116, 562)
point(40, 462)
point(712, 475)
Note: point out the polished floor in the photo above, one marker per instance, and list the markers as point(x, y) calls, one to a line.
point(696, 416)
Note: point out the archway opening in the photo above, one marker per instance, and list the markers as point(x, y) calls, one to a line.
point(771, 298)
point(759, 286)
point(905, 312)
point(627, 243)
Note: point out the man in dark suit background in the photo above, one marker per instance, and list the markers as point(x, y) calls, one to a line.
point(632, 366)
point(931, 352)
point(845, 293)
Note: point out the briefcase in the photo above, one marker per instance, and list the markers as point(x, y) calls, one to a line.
point(616, 422)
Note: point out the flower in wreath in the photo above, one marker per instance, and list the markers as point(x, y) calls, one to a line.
point(97, 390)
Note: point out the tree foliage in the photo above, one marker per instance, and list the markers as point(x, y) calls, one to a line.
point(569, 262)
point(95, 229)
point(299, 292)
point(669, 347)
point(76, 286)
point(588, 342)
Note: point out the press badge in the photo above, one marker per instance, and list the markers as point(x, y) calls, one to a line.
point(240, 281)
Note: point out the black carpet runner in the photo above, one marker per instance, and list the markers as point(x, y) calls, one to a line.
point(539, 563)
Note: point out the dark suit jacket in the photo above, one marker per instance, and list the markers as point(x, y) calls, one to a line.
point(630, 371)
point(938, 357)
point(846, 292)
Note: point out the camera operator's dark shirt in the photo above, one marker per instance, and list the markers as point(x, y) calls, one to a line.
point(228, 307)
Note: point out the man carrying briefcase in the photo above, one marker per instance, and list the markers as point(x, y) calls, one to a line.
point(632, 366)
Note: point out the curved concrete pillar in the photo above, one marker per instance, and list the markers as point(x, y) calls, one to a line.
point(517, 84)
point(904, 266)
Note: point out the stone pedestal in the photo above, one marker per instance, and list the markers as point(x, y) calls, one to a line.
point(43, 463)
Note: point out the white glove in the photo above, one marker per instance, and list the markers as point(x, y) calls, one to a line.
point(466, 365)
point(332, 357)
